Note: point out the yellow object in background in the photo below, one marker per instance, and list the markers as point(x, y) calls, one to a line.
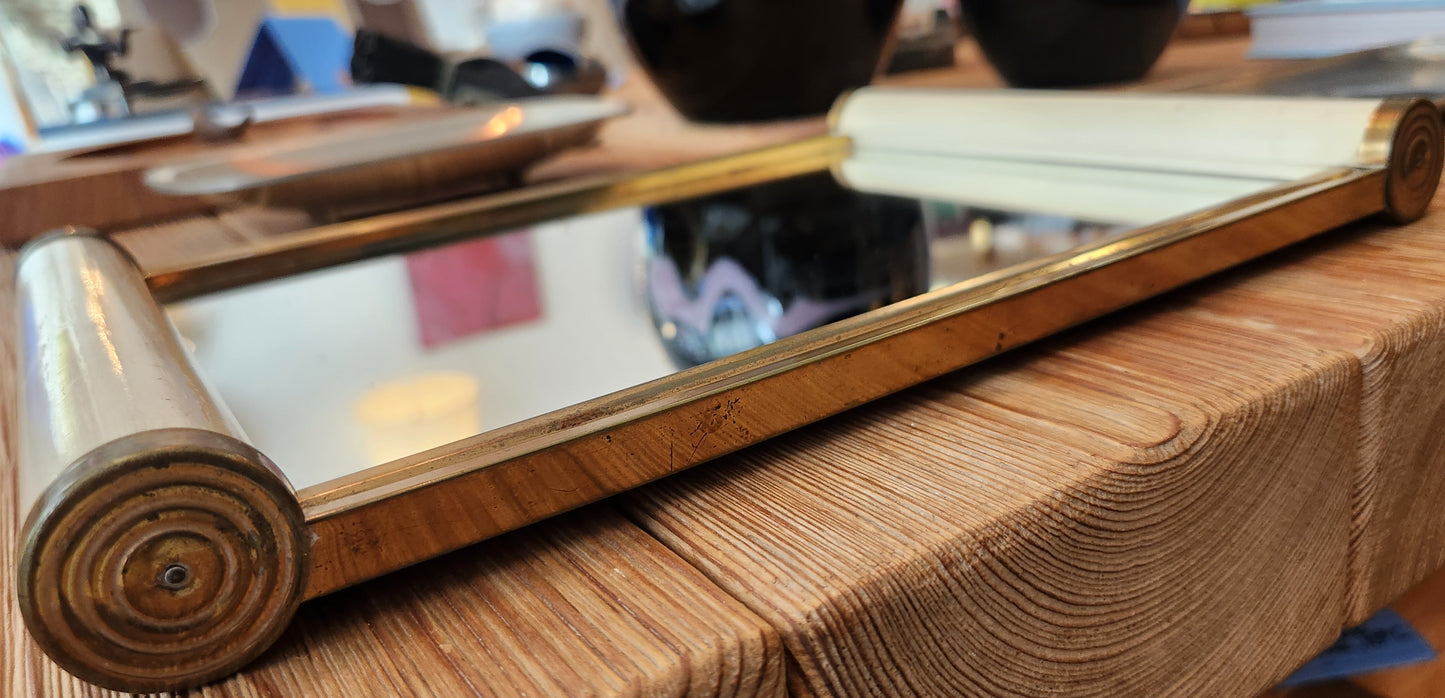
point(1225, 5)
point(335, 9)
point(412, 414)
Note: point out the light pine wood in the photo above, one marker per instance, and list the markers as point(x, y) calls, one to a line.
point(16, 649)
point(584, 606)
point(1382, 299)
point(1153, 507)
point(1368, 298)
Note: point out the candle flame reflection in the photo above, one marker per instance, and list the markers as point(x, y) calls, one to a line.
point(505, 120)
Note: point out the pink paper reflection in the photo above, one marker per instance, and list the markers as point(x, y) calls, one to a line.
point(473, 287)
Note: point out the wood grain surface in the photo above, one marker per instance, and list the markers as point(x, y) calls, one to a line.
point(1122, 512)
point(1149, 489)
point(1380, 298)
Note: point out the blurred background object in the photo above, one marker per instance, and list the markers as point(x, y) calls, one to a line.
point(107, 59)
point(1068, 43)
point(1212, 6)
point(378, 58)
point(1416, 68)
point(750, 60)
point(395, 163)
point(46, 76)
point(110, 96)
point(106, 62)
point(296, 55)
point(515, 28)
point(925, 35)
point(1317, 28)
point(402, 20)
point(462, 27)
point(558, 72)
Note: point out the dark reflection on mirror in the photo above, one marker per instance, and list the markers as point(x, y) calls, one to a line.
point(738, 270)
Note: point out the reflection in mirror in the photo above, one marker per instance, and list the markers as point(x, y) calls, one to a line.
point(740, 269)
point(338, 370)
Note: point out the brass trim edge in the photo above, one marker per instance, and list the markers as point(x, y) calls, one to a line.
point(320, 500)
point(1379, 133)
point(415, 229)
point(624, 440)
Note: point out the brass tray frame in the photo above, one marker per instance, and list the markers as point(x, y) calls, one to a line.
point(391, 516)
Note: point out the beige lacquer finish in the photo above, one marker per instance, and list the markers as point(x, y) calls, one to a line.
point(160, 548)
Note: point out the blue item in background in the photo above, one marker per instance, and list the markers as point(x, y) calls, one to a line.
point(297, 54)
point(9, 147)
point(1381, 642)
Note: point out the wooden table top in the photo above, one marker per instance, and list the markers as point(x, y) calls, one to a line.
point(1191, 497)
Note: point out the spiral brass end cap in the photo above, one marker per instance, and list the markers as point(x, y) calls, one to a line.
point(163, 560)
point(1417, 153)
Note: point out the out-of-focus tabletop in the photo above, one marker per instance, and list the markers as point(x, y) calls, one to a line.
point(1188, 498)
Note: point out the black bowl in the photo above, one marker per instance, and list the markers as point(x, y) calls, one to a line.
point(1068, 43)
point(749, 60)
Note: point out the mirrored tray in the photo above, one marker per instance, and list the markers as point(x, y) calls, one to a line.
point(423, 380)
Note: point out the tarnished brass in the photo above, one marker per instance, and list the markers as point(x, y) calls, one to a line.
point(160, 550)
point(1405, 137)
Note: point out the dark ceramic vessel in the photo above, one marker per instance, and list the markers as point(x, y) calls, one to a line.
point(750, 60)
point(1068, 43)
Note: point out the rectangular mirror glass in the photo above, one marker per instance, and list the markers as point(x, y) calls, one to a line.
point(334, 371)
